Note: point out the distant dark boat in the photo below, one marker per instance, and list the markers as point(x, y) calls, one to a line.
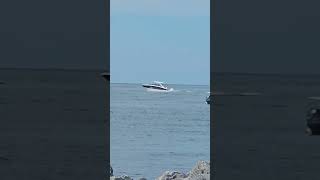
point(313, 117)
point(1, 82)
point(209, 99)
point(106, 76)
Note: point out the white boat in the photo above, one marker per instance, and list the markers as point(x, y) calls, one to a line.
point(156, 85)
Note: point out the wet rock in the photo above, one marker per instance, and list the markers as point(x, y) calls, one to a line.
point(200, 172)
point(111, 171)
point(125, 177)
point(174, 175)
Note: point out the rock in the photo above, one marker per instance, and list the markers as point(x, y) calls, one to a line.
point(172, 175)
point(125, 177)
point(200, 172)
point(111, 171)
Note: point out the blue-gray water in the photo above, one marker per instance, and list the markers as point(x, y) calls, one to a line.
point(152, 132)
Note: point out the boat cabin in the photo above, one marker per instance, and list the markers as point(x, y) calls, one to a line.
point(158, 83)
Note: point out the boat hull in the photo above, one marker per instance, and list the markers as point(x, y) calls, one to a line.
point(154, 87)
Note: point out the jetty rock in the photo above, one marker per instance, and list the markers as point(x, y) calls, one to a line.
point(111, 171)
point(200, 172)
point(124, 177)
point(174, 175)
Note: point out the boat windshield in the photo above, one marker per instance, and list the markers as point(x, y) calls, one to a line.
point(156, 83)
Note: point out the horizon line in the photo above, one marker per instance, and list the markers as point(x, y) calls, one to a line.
point(213, 72)
point(165, 83)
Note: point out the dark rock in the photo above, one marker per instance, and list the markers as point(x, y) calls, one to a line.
point(174, 175)
point(111, 171)
point(200, 172)
point(125, 177)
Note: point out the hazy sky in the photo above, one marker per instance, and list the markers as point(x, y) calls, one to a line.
point(160, 40)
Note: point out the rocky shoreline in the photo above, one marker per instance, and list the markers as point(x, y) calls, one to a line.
point(201, 171)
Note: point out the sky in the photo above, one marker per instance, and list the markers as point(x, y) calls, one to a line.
point(160, 40)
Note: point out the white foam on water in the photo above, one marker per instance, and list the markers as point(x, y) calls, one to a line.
point(162, 91)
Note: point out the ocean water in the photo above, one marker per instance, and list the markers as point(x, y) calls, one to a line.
point(152, 132)
point(262, 137)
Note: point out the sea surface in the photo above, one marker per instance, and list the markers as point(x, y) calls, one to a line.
point(263, 136)
point(154, 132)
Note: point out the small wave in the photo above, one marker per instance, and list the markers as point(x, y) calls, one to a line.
point(183, 90)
